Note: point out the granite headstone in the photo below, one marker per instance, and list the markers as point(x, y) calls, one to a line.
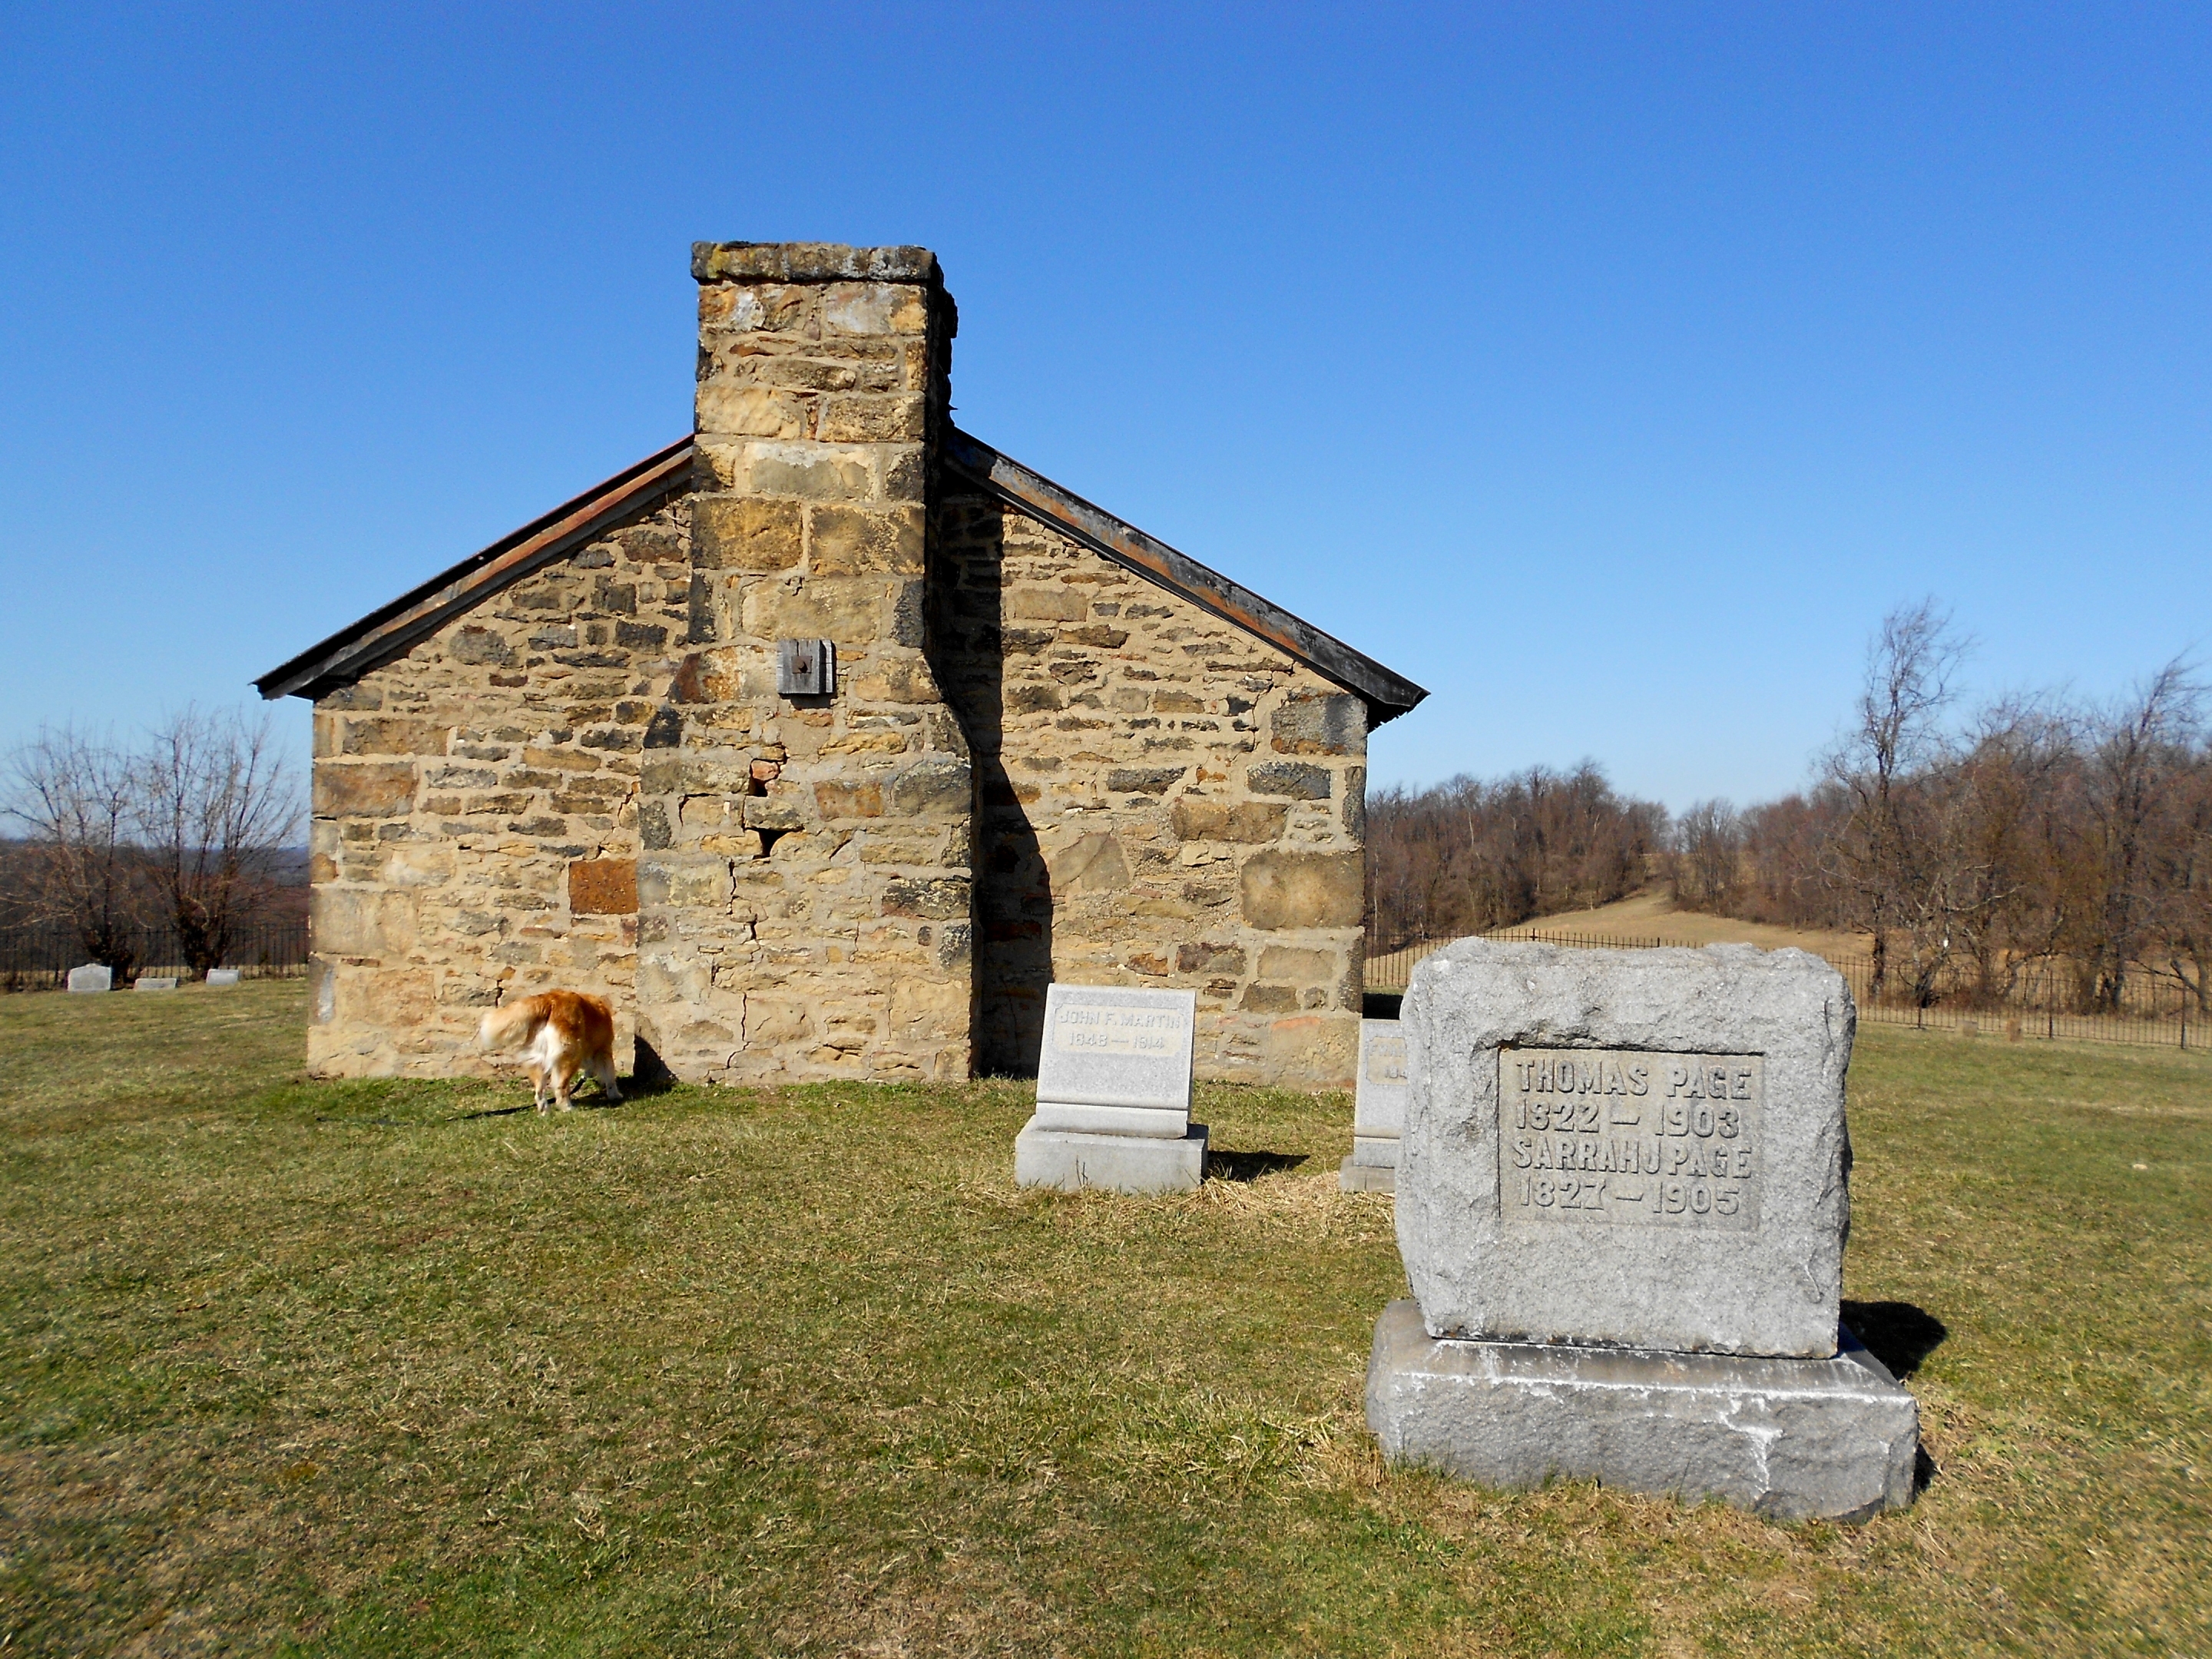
point(154, 982)
point(219, 977)
point(1622, 1203)
point(93, 976)
point(1113, 1102)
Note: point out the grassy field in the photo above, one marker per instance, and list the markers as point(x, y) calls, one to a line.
point(397, 1368)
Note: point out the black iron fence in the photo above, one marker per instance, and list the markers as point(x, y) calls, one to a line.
point(2159, 1012)
point(40, 958)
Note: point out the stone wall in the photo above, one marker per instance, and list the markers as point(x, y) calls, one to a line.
point(474, 809)
point(804, 875)
point(1165, 799)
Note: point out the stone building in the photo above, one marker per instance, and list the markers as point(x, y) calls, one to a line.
point(1053, 747)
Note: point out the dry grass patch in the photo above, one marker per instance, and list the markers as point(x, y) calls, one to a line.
point(396, 1367)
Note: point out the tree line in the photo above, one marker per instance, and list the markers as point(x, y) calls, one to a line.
point(1976, 845)
point(1470, 855)
point(188, 828)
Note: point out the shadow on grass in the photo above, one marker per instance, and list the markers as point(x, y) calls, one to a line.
point(1250, 1166)
point(433, 1118)
point(593, 1102)
point(1924, 1471)
point(1897, 1333)
point(1901, 1336)
point(488, 1111)
point(646, 1083)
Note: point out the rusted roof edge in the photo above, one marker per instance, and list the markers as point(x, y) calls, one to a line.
point(387, 632)
point(1387, 694)
point(392, 629)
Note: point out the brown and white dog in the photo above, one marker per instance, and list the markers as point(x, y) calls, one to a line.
point(562, 1034)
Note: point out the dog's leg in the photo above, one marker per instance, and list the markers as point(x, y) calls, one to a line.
point(536, 1086)
point(563, 1080)
point(603, 1067)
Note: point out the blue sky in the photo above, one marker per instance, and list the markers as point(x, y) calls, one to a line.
point(1610, 371)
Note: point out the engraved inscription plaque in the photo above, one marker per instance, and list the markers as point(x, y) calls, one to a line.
point(1625, 1136)
point(1161, 1033)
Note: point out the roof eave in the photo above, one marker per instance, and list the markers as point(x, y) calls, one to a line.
point(1386, 693)
point(392, 630)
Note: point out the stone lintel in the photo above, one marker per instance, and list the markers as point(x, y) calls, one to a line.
point(1073, 1162)
point(811, 262)
point(1795, 1439)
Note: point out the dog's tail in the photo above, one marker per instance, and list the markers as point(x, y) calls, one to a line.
point(509, 1027)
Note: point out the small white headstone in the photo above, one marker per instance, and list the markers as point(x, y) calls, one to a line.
point(219, 976)
point(93, 976)
point(154, 982)
point(1116, 1060)
point(1378, 1112)
point(1114, 1093)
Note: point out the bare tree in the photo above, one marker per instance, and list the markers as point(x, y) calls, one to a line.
point(1782, 879)
point(2004, 785)
point(2182, 879)
point(215, 804)
point(74, 795)
point(2138, 748)
point(1708, 856)
point(1884, 855)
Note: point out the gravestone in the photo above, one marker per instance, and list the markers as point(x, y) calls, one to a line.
point(1622, 1203)
point(154, 982)
point(93, 976)
point(219, 977)
point(1113, 1104)
point(1378, 1110)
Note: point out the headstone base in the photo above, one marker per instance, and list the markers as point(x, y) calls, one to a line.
point(1796, 1439)
point(1148, 1121)
point(1377, 1151)
point(1073, 1161)
point(1353, 1176)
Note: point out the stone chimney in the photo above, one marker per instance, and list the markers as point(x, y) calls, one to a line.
point(803, 880)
